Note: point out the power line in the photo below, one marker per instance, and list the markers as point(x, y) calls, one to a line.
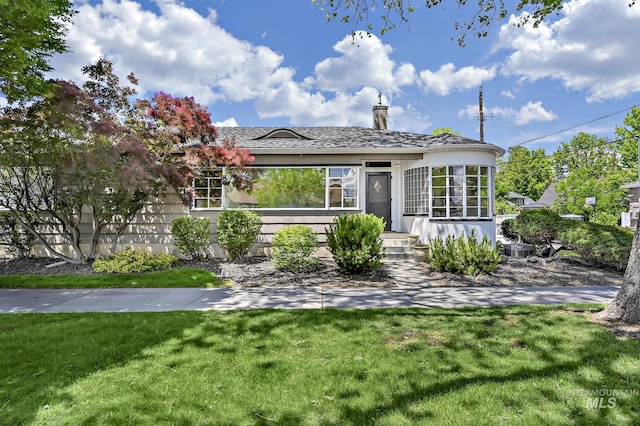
point(573, 127)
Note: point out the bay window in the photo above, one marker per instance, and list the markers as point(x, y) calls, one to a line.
point(451, 192)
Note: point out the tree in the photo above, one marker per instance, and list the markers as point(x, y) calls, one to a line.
point(627, 141)
point(591, 169)
point(68, 155)
point(182, 126)
point(357, 12)
point(30, 33)
point(525, 172)
point(91, 151)
point(626, 305)
point(443, 131)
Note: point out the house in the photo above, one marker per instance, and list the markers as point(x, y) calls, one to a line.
point(419, 184)
point(546, 200)
point(630, 219)
point(518, 199)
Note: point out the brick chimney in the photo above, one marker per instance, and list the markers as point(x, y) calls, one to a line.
point(380, 117)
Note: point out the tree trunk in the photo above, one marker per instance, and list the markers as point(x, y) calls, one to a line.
point(626, 305)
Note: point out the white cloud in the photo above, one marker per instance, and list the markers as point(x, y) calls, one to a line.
point(178, 51)
point(175, 49)
point(447, 79)
point(508, 94)
point(363, 62)
point(531, 111)
point(592, 47)
point(229, 122)
point(314, 109)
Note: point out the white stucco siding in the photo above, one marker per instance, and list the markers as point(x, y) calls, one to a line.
point(428, 230)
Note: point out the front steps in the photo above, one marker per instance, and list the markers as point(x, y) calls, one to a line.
point(396, 246)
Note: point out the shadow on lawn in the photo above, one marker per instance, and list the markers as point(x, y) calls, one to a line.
point(43, 354)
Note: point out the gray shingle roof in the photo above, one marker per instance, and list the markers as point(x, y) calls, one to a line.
point(354, 139)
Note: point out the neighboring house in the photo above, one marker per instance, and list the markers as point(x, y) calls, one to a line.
point(420, 184)
point(546, 200)
point(630, 219)
point(518, 199)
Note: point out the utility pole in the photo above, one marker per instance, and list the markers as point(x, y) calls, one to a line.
point(482, 123)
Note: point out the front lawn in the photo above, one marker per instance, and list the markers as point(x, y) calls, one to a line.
point(176, 278)
point(524, 365)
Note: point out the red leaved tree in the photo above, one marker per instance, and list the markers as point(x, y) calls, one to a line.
point(180, 134)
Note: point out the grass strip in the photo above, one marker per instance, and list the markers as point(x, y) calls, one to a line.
point(516, 365)
point(172, 278)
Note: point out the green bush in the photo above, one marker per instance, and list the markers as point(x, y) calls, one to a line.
point(508, 230)
point(18, 241)
point(293, 247)
point(130, 261)
point(605, 246)
point(191, 236)
point(463, 255)
point(355, 243)
point(237, 231)
point(538, 226)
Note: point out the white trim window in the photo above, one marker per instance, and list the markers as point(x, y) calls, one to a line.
point(416, 191)
point(343, 187)
point(453, 192)
point(207, 190)
point(281, 188)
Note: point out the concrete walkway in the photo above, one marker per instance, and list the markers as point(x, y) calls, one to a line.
point(149, 300)
point(413, 291)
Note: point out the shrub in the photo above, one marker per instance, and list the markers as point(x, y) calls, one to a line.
point(237, 231)
point(130, 261)
point(538, 226)
point(191, 236)
point(355, 243)
point(18, 241)
point(508, 230)
point(463, 255)
point(293, 247)
point(604, 246)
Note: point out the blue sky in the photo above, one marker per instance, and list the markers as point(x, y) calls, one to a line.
point(279, 63)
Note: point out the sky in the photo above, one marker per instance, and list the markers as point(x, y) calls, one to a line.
point(280, 63)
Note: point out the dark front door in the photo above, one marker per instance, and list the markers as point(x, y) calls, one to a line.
point(379, 196)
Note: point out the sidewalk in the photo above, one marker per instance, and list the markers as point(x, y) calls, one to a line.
point(413, 291)
point(415, 296)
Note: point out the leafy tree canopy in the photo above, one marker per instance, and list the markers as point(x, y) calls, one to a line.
point(444, 130)
point(627, 143)
point(525, 172)
point(31, 31)
point(393, 12)
point(590, 167)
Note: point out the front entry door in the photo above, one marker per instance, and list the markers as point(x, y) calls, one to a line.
point(379, 196)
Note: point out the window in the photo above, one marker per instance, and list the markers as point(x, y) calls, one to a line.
point(282, 188)
point(343, 187)
point(416, 191)
point(208, 190)
point(460, 191)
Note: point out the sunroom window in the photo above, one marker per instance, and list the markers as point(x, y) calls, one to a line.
point(416, 191)
point(457, 191)
point(282, 188)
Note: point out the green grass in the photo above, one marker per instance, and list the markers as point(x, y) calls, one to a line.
point(178, 278)
point(523, 365)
